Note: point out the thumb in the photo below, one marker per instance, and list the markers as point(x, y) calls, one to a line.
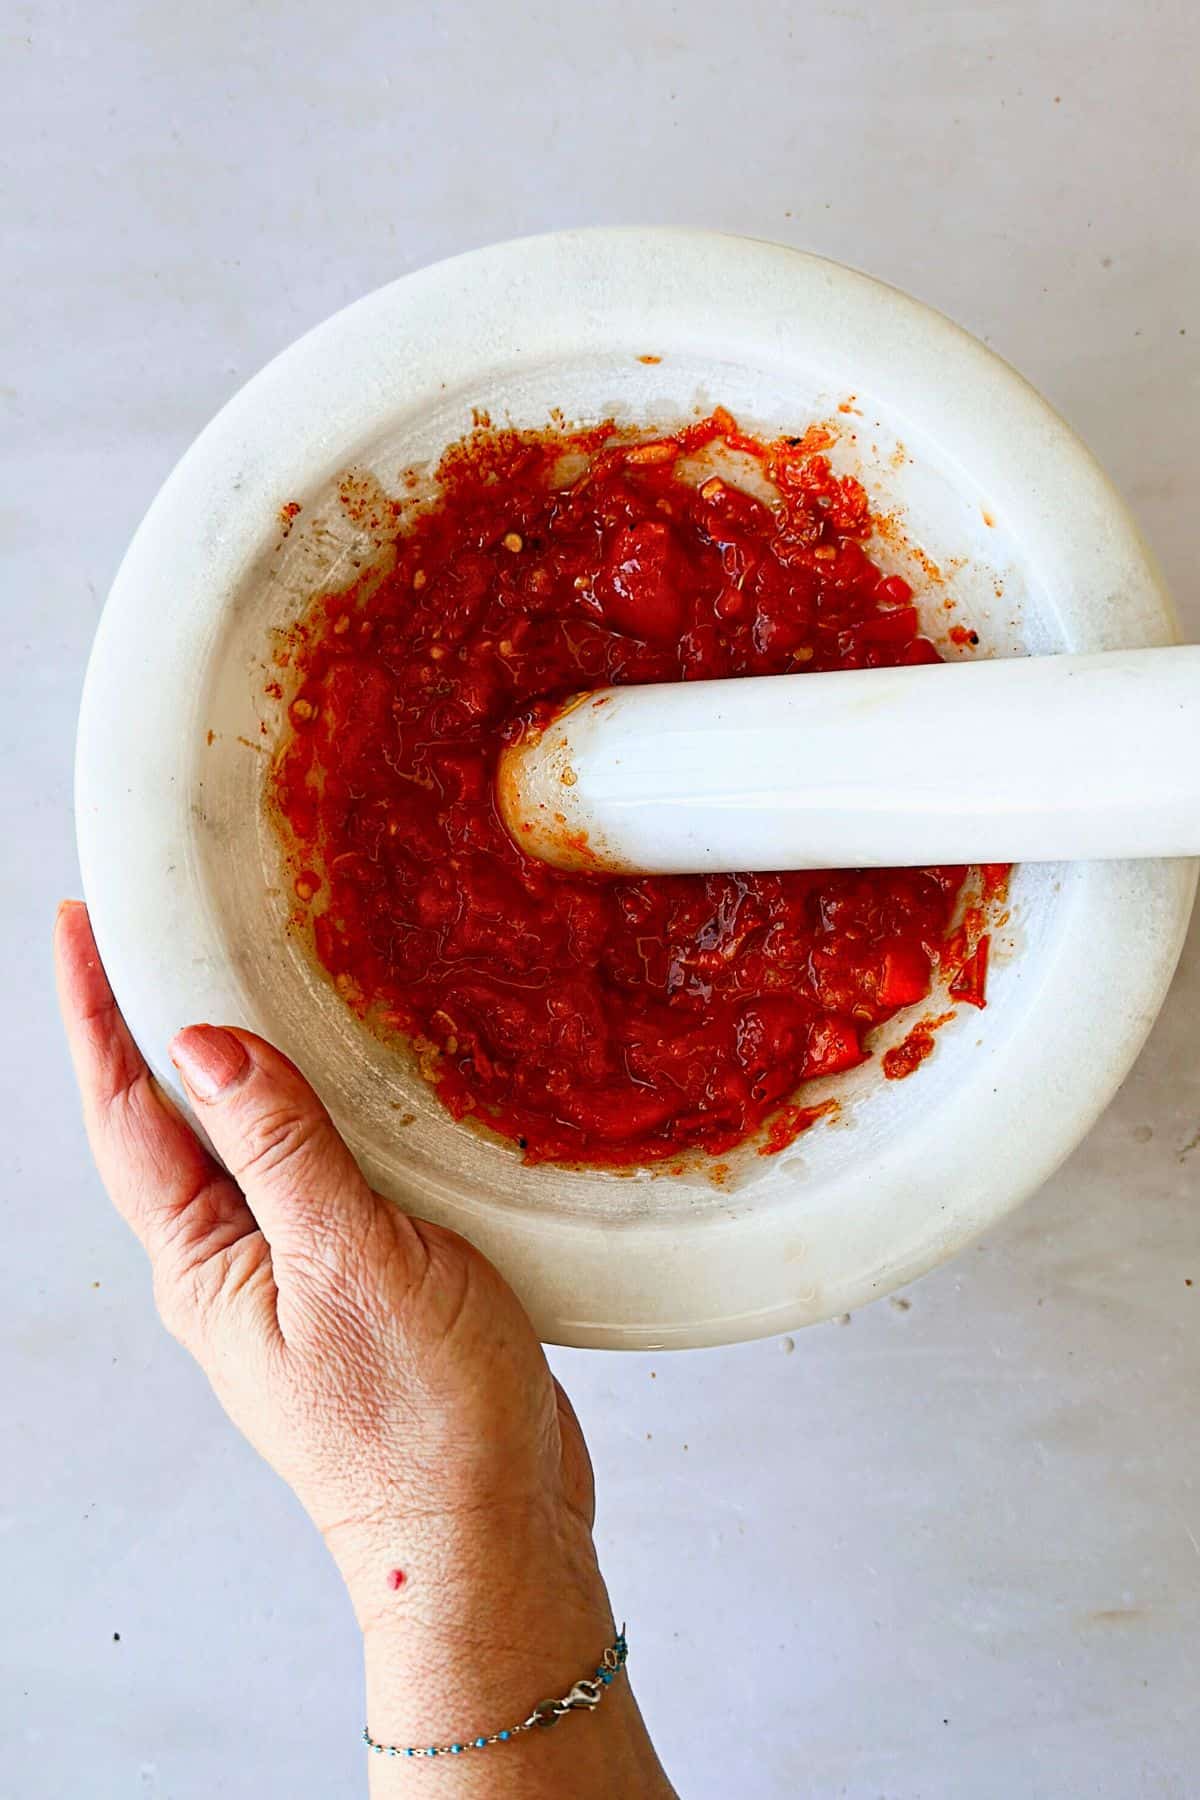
point(304, 1188)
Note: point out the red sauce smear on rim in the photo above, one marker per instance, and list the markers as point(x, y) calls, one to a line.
point(594, 1018)
point(906, 1057)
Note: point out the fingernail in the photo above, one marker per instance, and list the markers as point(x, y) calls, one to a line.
point(208, 1058)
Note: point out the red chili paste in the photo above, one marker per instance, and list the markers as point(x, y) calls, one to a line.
point(587, 1017)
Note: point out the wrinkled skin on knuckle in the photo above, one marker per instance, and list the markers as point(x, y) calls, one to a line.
point(200, 1230)
point(273, 1138)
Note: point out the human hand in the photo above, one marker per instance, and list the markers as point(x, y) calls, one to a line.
point(388, 1374)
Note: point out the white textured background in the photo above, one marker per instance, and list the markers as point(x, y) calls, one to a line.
point(949, 1549)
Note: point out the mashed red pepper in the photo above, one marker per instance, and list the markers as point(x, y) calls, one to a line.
point(594, 1018)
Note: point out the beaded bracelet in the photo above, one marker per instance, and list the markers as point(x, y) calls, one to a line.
point(586, 1695)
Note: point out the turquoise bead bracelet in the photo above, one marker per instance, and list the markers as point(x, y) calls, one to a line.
point(585, 1696)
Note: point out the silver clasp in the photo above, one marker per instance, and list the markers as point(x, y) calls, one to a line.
point(585, 1693)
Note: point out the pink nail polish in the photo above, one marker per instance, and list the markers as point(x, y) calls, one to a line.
point(208, 1058)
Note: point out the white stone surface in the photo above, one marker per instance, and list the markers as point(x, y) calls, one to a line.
point(949, 1550)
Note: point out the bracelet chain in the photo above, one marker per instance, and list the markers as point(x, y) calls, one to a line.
point(585, 1696)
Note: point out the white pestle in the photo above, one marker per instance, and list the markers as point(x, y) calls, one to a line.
point(1036, 759)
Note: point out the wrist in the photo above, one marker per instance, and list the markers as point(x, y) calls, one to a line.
point(498, 1609)
point(444, 1685)
point(475, 1639)
point(434, 1692)
point(453, 1578)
